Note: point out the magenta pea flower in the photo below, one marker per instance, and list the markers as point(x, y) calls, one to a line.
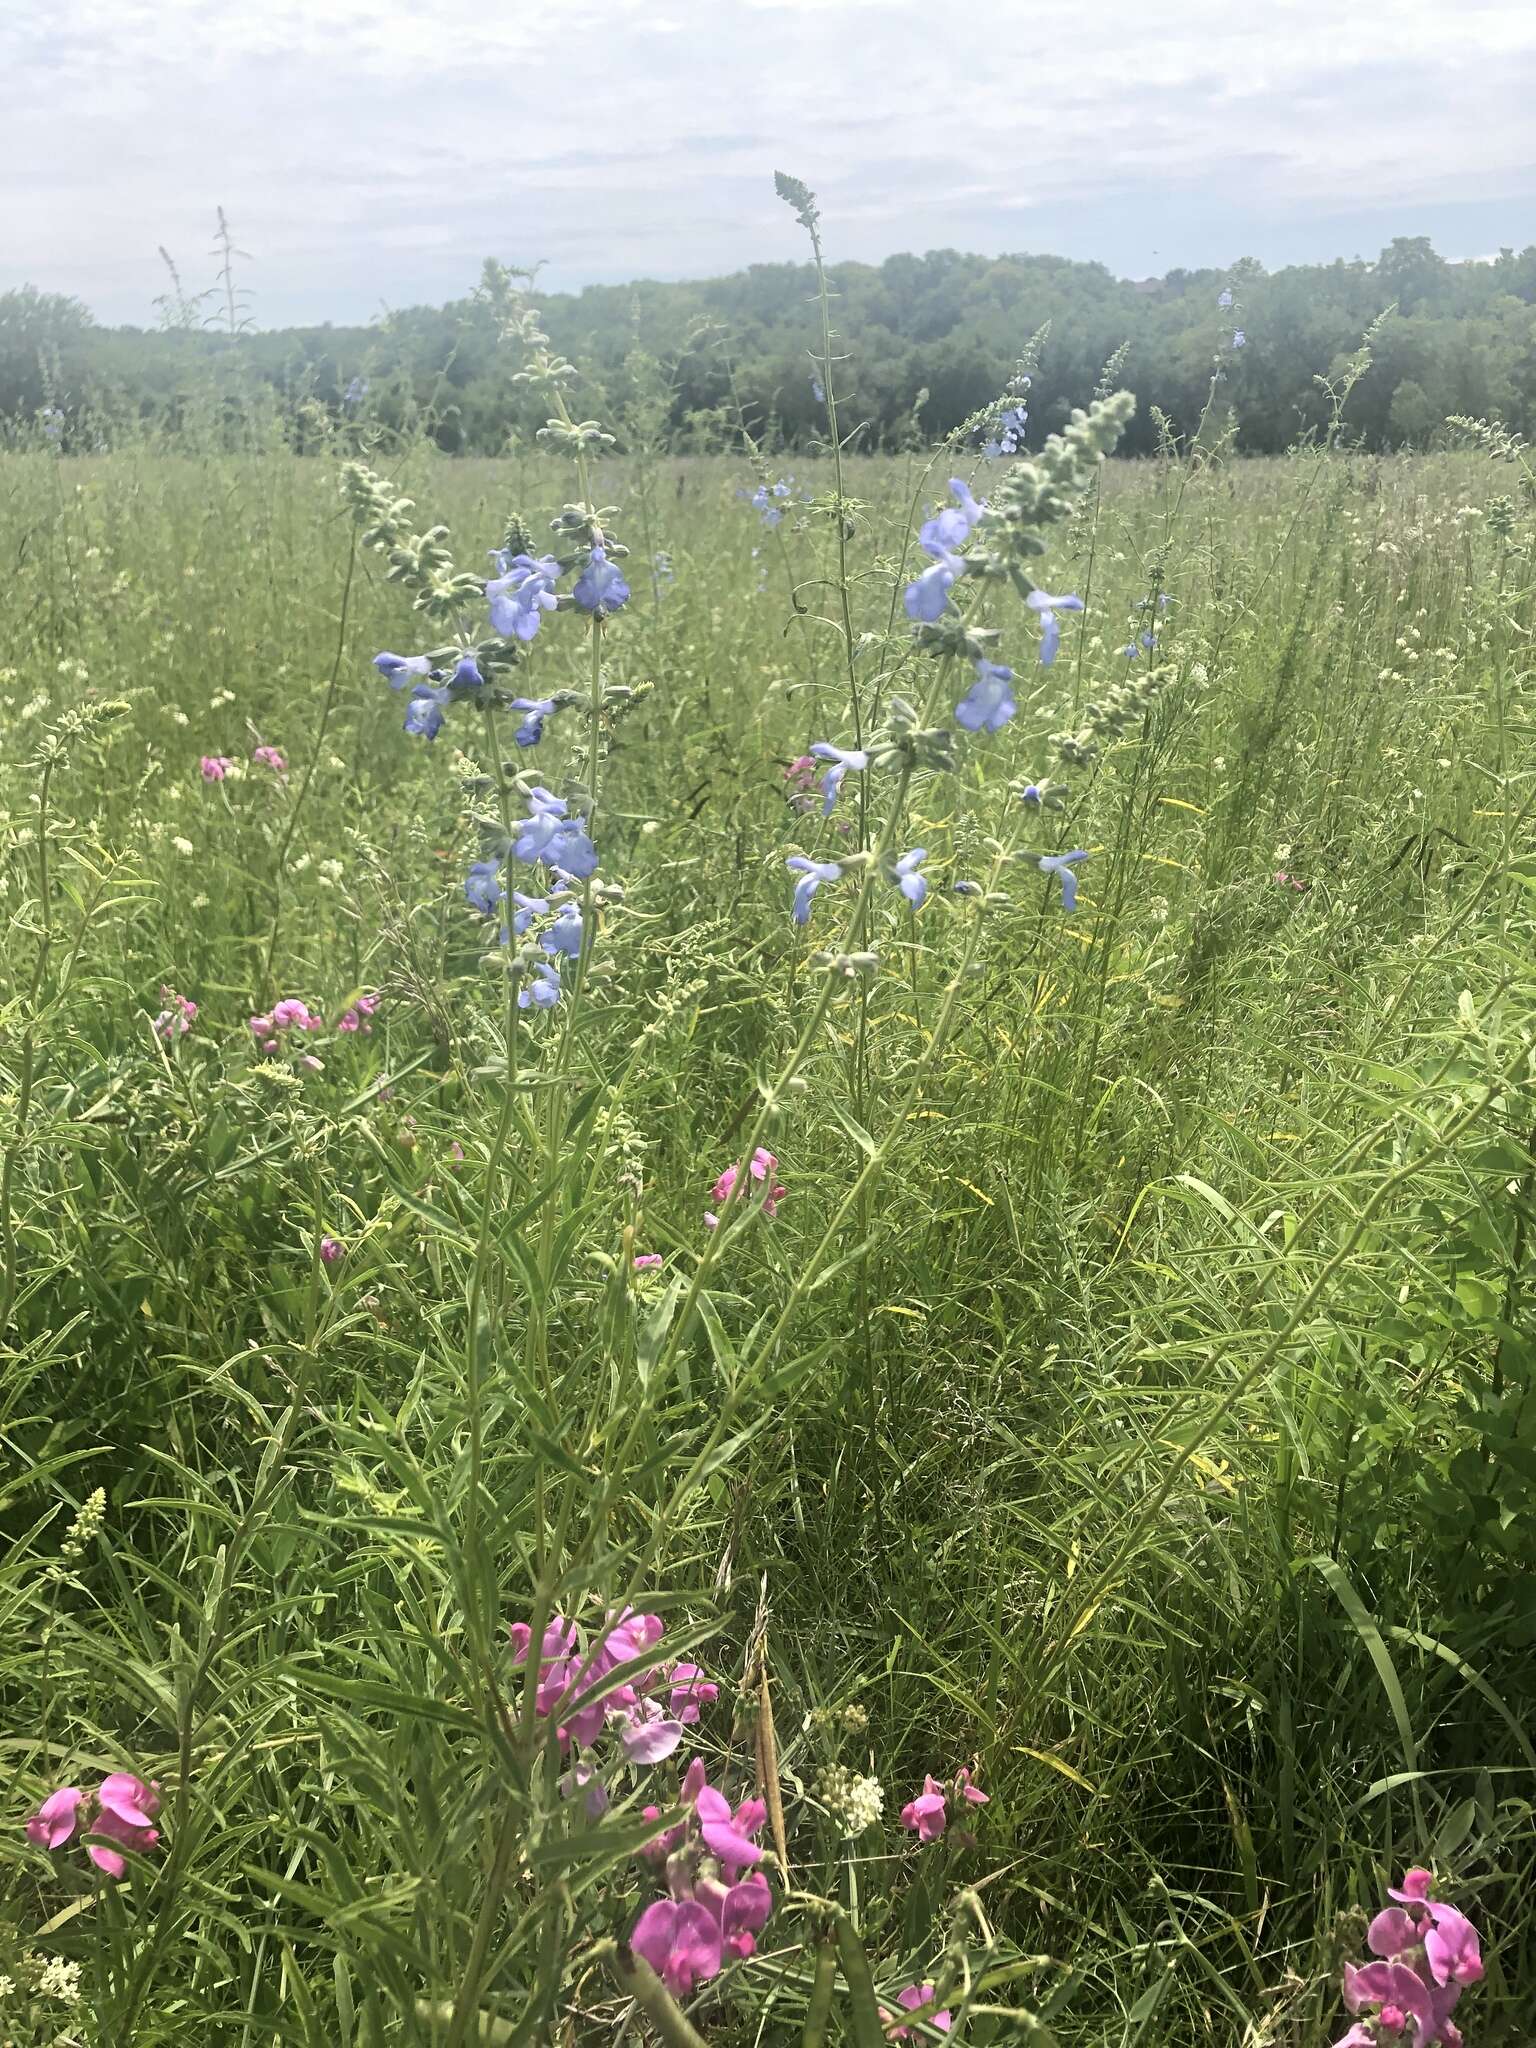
point(176, 1019)
point(916, 1998)
point(742, 1910)
point(271, 757)
point(1415, 1888)
point(125, 1812)
point(645, 1262)
point(690, 1690)
point(214, 767)
point(681, 1941)
point(56, 1819)
point(971, 1794)
point(1451, 1946)
point(331, 1250)
point(647, 1733)
point(927, 1815)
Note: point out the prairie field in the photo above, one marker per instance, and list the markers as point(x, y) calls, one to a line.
point(1113, 1393)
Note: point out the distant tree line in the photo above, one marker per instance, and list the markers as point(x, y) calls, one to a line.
point(932, 339)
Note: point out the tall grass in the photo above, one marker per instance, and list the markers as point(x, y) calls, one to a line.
point(1130, 1400)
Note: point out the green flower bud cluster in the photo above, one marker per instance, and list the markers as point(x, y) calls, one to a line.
point(1041, 490)
point(901, 741)
point(1107, 718)
point(421, 561)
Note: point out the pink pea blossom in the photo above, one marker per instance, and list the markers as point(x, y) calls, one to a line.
point(270, 757)
point(690, 1690)
point(56, 1819)
point(331, 1249)
point(762, 1167)
point(214, 767)
point(645, 1261)
point(175, 1020)
point(125, 1812)
point(1285, 881)
point(1429, 1953)
point(914, 1999)
point(681, 1942)
point(927, 1815)
point(358, 1015)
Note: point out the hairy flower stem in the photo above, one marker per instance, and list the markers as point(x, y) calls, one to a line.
point(28, 1049)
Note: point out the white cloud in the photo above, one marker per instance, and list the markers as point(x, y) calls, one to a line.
point(364, 155)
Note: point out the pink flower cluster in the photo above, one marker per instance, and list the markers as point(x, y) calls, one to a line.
point(123, 1812)
point(928, 1814)
point(271, 757)
point(762, 1167)
point(718, 1902)
point(1428, 1954)
point(288, 1015)
point(570, 1675)
point(214, 767)
point(358, 1015)
point(1285, 881)
point(175, 1020)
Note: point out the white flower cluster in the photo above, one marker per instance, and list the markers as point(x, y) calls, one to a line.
point(852, 1802)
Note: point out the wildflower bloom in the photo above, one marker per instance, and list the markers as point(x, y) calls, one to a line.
point(926, 597)
point(331, 1250)
point(927, 1815)
point(542, 990)
point(424, 712)
point(531, 731)
point(1010, 431)
point(843, 760)
point(904, 873)
point(56, 1819)
point(358, 1016)
point(989, 703)
point(482, 887)
point(1041, 602)
point(951, 526)
point(916, 1998)
point(1060, 865)
point(271, 757)
point(682, 1943)
point(971, 1794)
point(1428, 1953)
point(1239, 339)
point(175, 1020)
point(801, 772)
point(355, 392)
point(1225, 301)
point(400, 669)
point(761, 1167)
point(812, 874)
point(522, 594)
point(125, 1812)
point(600, 587)
point(690, 1689)
point(564, 935)
point(214, 767)
point(643, 1262)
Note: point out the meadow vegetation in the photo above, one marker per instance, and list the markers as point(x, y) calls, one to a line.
point(1115, 1393)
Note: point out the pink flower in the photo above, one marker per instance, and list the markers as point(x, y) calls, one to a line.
point(293, 1015)
point(801, 772)
point(914, 1999)
point(690, 1691)
point(727, 1835)
point(56, 1819)
point(762, 1166)
point(356, 1017)
point(1391, 1986)
point(175, 1020)
point(1451, 1946)
point(214, 767)
point(1391, 1932)
point(742, 1910)
point(646, 1732)
point(1415, 1887)
point(331, 1250)
point(971, 1794)
point(126, 1808)
point(927, 1814)
point(644, 1261)
point(681, 1942)
point(270, 757)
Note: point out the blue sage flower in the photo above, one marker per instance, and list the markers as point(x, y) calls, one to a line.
point(600, 587)
point(564, 935)
point(522, 594)
point(951, 526)
point(531, 731)
point(1239, 340)
point(1047, 606)
point(842, 759)
point(1147, 640)
point(542, 990)
point(1059, 864)
point(423, 714)
point(400, 669)
point(355, 392)
point(926, 598)
point(904, 873)
point(1225, 301)
point(571, 852)
point(466, 677)
point(482, 887)
point(528, 908)
point(812, 874)
point(988, 704)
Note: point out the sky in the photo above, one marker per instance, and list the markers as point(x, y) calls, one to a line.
point(373, 155)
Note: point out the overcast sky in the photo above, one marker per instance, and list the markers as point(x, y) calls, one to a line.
point(369, 154)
